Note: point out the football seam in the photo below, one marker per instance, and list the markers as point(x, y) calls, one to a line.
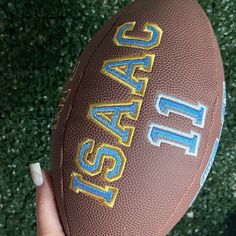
point(198, 172)
point(71, 108)
point(217, 99)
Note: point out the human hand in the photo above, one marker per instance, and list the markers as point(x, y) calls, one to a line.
point(48, 221)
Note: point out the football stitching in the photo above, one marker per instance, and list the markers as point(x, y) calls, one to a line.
point(200, 169)
point(68, 116)
point(207, 147)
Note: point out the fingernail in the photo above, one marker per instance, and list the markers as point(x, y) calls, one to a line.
point(36, 174)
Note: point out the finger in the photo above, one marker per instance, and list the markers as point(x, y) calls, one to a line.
point(48, 222)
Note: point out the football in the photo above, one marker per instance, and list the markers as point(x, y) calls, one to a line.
point(140, 121)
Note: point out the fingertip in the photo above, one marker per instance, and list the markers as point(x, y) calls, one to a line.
point(48, 221)
point(36, 174)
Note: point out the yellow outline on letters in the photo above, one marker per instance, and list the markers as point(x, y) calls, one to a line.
point(148, 38)
point(106, 188)
point(140, 67)
point(92, 161)
point(131, 128)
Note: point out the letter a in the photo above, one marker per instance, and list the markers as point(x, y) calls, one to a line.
point(122, 70)
point(108, 116)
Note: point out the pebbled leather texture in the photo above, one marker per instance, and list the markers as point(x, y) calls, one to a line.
point(158, 183)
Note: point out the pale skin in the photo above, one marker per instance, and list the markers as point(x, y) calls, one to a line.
point(48, 222)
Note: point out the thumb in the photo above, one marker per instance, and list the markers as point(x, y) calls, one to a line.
point(48, 222)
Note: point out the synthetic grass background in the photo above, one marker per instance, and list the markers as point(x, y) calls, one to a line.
point(39, 44)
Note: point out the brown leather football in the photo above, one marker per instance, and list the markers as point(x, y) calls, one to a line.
point(140, 122)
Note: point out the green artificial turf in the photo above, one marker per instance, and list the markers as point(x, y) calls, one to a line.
point(39, 44)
